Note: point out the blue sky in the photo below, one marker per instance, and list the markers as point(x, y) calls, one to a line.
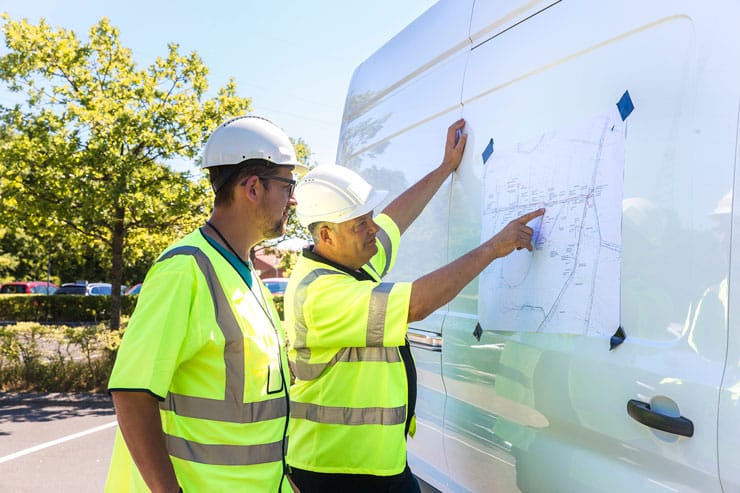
point(293, 58)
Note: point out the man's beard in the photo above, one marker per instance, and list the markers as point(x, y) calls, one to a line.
point(277, 229)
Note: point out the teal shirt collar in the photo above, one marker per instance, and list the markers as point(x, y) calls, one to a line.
point(244, 271)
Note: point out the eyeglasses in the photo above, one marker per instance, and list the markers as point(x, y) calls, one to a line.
point(291, 183)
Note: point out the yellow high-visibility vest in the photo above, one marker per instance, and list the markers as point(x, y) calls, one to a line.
point(214, 353)
point(349, 402)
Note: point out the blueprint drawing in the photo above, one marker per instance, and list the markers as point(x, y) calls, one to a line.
point(570, 283)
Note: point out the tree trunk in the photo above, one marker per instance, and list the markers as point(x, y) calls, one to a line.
point(116, 269)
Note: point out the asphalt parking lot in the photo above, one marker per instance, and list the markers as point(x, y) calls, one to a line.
point(55, 442)
point(58, 442)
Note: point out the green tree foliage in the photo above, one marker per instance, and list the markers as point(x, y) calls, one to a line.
point(8, 262)
point(25, 261)
point(83, 152)
point(293, 228)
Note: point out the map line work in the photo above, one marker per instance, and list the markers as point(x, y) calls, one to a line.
point(570, 282)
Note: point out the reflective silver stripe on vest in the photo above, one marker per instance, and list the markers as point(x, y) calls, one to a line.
point(234, 347)
point(376, 314)
point(375, 328)
point(224, 455)
point(348, 415)
point(203, 408)
point(385, 242)
point(310, 371)
point(232, 407)
point(300, 298)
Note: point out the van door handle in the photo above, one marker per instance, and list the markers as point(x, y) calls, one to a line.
point(422, 339)
point(641, 412)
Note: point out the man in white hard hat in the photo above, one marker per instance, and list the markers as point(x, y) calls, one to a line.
point(200, 383)
point(352, 403)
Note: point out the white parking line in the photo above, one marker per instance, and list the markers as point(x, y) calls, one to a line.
point(42, 446)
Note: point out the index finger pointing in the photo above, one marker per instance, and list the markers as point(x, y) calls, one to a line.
point(531, 215)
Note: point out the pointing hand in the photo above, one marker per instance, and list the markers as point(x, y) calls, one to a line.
point(516, 234)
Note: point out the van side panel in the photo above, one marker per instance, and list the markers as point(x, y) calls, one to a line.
point(544, 412)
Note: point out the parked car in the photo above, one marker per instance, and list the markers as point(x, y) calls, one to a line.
point(133, 289)
point(276, 285)
point(72, 288)
point(606, 359)
point(85, 288)
point(28, 287)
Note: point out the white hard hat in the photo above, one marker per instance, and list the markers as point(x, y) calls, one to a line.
point(249, 137)
point(334, 194)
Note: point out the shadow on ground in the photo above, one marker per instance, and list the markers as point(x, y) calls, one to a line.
point(38, 407)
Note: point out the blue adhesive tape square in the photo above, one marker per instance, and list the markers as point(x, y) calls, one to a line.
point(487, 151)
point(625, 105)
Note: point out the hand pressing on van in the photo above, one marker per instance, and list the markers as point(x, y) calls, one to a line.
point(439, 287)
point(454, 145)
point(405, 208)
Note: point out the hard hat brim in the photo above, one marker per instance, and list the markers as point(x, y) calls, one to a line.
point(298, 169)
point(373, 201)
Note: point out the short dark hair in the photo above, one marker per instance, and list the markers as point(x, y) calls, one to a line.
point(225, 178)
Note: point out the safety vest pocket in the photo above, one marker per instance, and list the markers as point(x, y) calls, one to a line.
point(275, 379)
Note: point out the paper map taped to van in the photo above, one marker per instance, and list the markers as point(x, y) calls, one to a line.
point(570, 283)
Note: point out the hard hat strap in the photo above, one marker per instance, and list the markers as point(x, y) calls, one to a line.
point(226, 173)
point(222, 178)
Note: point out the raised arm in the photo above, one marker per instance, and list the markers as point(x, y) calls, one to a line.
point(406, 207)
point(439, 287)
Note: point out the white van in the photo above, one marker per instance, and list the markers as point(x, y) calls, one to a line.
point(608, 359)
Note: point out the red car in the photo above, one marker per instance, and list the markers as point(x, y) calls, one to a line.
point(28, 287)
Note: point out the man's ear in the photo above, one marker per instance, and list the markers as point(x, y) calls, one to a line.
point(326, 234)
point(250, 187)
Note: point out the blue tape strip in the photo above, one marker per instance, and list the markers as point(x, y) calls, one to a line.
point(487, 151)
point(625, 105)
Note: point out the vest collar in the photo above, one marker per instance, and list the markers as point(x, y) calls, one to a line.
point(360, 275)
